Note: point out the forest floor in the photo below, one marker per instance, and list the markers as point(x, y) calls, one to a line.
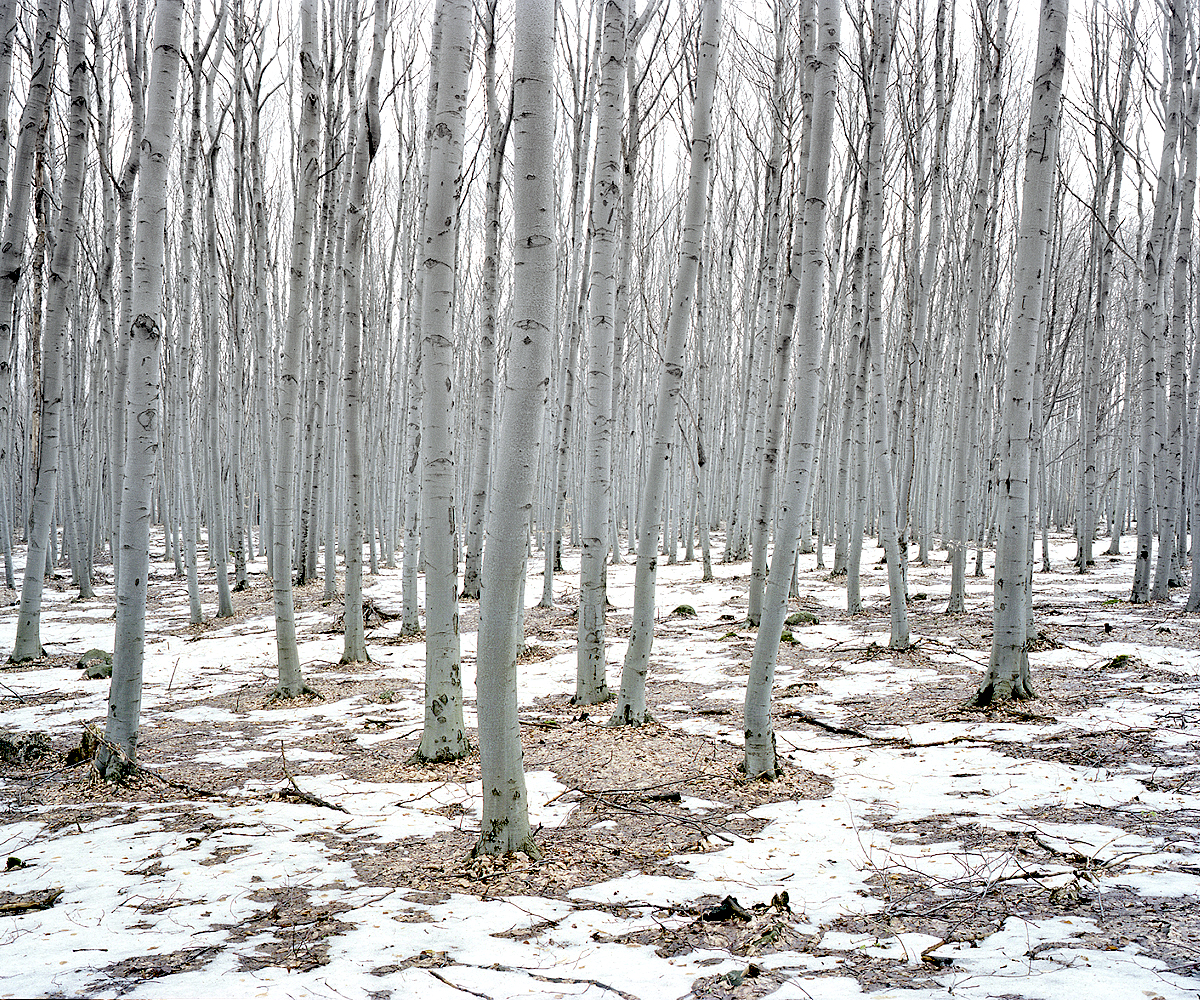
point(914, 847)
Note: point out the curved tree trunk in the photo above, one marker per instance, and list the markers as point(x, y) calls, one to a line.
point(631, 704)
point(27, 643)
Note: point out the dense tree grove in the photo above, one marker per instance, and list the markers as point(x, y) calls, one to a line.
point(474, 283)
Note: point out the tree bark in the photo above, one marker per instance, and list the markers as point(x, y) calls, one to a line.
point(591, 684)
point(291, 678)
point(760, 758)
point(631, 703)
point(1008, 672)
point(143, 405)
point(505, 819)
point(444, 736)
point(27, 642)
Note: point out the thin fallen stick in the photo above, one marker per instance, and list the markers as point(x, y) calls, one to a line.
point(454, 986)
point(142, 769)
point(296, 792)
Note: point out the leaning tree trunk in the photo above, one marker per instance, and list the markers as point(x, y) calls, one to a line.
point(27, 644)
point(1008, 673)
point(143, 406)
point(444, 736)
point(12, 248)
point(505, 820)
point(631, 704)
point(760, 758)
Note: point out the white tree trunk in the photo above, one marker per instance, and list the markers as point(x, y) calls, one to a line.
point(143, 406)
point(631, 704)
point(591, 684)
point(355, 646)
point(760, 756)
point(27, 642)
point(497, 137)
point(444, 736)
point(888, 529)
point(1153, 276)
point(992, 57)
point(291, 679)
point(1008, 672)
point(12, 248)
point(505, 821)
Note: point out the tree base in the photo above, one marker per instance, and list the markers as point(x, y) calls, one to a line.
point(282, 694)
point(27, 657)
point(497, 845)
point(1001, 692)
point(626, 716)
point(443, 756)
point(603, 695)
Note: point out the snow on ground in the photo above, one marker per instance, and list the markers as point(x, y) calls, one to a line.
point(928, 804)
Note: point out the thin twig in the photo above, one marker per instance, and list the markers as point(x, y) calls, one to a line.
point(296, 792)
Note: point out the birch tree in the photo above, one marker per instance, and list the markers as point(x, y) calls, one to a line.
point(444, 736)
point(881, 65)
point(27, 643)
point(291, 680)
point(505, 821)
point(355, 648)
point(992, 48)
point(1008, 672)
point(12, 248)
point(760, 758)
point(631, 704)
point(1154, 256)
point(497, 131)
point(143, 405)
point(591, 683)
